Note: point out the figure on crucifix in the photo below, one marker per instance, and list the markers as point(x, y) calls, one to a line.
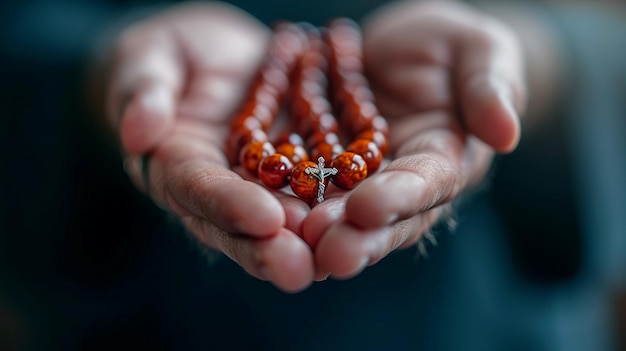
point(321, 172)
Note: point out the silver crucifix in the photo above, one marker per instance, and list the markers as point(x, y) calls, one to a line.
point(321, 173)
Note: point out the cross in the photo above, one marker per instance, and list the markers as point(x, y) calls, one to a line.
point(320, 172)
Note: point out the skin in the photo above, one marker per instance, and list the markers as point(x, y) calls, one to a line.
point(449, 79)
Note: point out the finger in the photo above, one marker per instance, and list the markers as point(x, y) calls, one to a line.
point(212, 96)
point(345, 250)
point(190, 176)
point(430, 168)
point(317, 223)
point(284, 259)
point(491, 84)
point(296, 212)
point(322, 217)
point(147, 79)
point(420, 71)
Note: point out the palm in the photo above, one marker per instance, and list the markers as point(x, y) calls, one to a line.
point(185, 72)
point(199, 60)
point(439, 79)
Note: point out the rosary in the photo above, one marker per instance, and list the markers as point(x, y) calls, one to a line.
point(304, 66)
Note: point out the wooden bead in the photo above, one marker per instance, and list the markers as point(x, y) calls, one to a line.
point(369, 151)
point(304, 185)
point(352, 170)
point(275, 170)
point(252, 154)
point(295, 153)
point(377, 137)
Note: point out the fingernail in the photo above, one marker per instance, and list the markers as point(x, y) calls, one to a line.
point(323, 278)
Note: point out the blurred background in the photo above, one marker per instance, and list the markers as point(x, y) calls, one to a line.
point(86, 262)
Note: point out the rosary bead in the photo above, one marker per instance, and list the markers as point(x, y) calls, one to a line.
point(314, 59)
point(274, 171)
point(276, 79)
point(377, 137)
point(379, 123)
point(369, 151)
point(326, 150)
point(324, 123)
point(358, 116)
point(246, 122)
point(260, 112)
point(252, 154)
point(241, 137)
point(317, 137)
point(308, 89)
point(295, 153)
point(352, 170)
point(304, 185)
point(288, 137)
point(265, 95)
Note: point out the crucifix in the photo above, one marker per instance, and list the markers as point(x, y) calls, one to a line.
point(321, 173)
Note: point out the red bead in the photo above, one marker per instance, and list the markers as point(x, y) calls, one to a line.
point(314, 59)
point(317, 137)
point(377, 137)
point(304, 185)
point(252, 154)
point(369, 151)
point(275, 78)
point(307, 89)
point(324, 123)
point(300, 108)
point(288, 137)
point(261, 112)
point(326, 150)
point(352, 170)
point(265, 95)
point(359, 116)
point(239, 138)
point(295, 153)
point(247, 122)
point(275, 170)
point(379, 123)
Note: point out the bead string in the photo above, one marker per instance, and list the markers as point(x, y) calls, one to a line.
point(301, 66)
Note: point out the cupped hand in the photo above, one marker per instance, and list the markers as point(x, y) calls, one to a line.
point(176, 79)
point(450, 81)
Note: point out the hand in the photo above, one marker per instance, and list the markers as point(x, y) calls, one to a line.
point(176, 79)
point(450, 80)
